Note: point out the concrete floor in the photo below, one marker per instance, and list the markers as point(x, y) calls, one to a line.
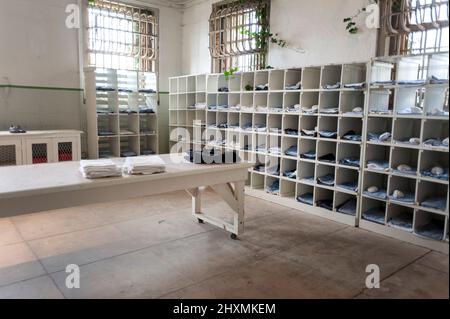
point(152, 248)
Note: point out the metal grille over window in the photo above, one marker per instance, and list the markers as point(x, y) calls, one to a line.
point(65, 151)
point(39, 153)
point(238, 34)
point(7, 155)
point(414, 27)
point(122, 36)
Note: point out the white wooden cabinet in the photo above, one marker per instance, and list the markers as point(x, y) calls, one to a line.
point(38, 147)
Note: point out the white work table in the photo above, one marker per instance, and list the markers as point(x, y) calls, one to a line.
point(35, 188)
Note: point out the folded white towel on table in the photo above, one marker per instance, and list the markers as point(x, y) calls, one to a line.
point(144, 165)
point(99, 168)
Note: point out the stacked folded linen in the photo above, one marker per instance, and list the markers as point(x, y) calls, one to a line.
point(99, 168)
point(144, 165)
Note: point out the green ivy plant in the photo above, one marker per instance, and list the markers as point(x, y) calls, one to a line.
point(230, 72)
point(350, 24)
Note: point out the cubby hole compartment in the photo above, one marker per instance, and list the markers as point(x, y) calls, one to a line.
point(347, 180)
point(409, 68)
point(378, 126)
point(307, 147)
point(429, 192)
point(306, 172)
point(323, 198)
point(260, 143)
point(148, 125)
point(275, 102)
point(346, 125)
point(292, 77)
point(373, 210)
point(257, 180)
point(407, 97)
point(290, 122)
point(290, 100)
point(222, 118)
point(108, 125)
point(405, 129)
point(247, 102)
point(324, 170)
point(216, 81)
point(190, 100)
point(211, 100)
point(288, 142)
point(248, 81)
point(382, 72)
point(233, 140)
point(200, 116)
point(407, 186)
point(182, 117)
point(271, 183)
point(234, 100)
point(305, 190)
point(345, 204)
point(128, 102)
point(260, 120)
point(380, 154)
point(173, 85)
point(436, 99)
point(288, 165)
point(435, 129)
point(108, 147)
point(211, 118)
point(148, 145)
point(287, 189)
point(311, 78)
point(406, 156)
point(326, 152)
point(430, 159)
point(331, 74)
point(350, 100)
point(173, 105)
point(235, 83)
point(260, 101)
point(329, 100)
point(308, 122)
point(182, 101)
point(439, 65)
point(274, 145)
point(349, 155)
point(127, 80)
point(275, 123)
point(233, 120)
point(107, 102)
point(400, 217)
point(147, 101)
point(380, 181)
point(353, 73)
point(182, 85)
point(381, 101)
point(200, 98)
point(309, 99)
point(328, 125)
point(429, 225)
point(201, 83)
point(129, 146)
point(261, 78)
point(222, 100)
point(276, 80)
point(246, 141)
point(246, 121)
point(191, 85)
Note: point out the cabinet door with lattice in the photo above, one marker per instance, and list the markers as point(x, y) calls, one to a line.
point(39, 151)
point(66, 149)
point(10, 152)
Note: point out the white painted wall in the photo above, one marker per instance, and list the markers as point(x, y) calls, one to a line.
point(314, 25)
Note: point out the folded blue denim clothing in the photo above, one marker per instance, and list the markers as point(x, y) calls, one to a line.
point(291, 131)
point(329, 110)
point(274, 188)
point(212, 107)
point(348, 208)
point(214, 125)
point(147, 152)
point(127, 153)
point(311, 155)
point(290, 173)
point(247, 127)
point(105, 133)
point(402, 221)
point(436, 80)
point(375, 214)
point(409, 170)
point(437, 112)
point(275, 130)
point(328, 134)
point(378, 165)
point(328, 158)
point(379, 137)
point(296, 86)
point(222, 125)
point(409, 140)
point(355, 86)
point(262, 87)
point(274, 170)
point(326, 180)
point(260, 127)
point(380, 194)
point(325, 203)
point(352, 186)
point(311, 133)
point(105, 89)
point(433, 229)
point(413, 110)
point(146, 109)
point(385, 82)
point(147, 91)
point(429, 173)
point(104, 111)
point(437, 202)
point(407, 198)
point(350, 161)
point(292, 151)
point(309, 179)
point(223, 89)
point(411, 82)
point(306, 198)
point(352, 136)
point(433, 142)
point(332, 86)
point(260, 168)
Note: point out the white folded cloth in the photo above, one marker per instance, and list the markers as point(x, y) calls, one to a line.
point(99, 168)
point(144, 165)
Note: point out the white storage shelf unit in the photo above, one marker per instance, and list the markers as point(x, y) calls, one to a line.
point(258, 122)
point(122, 113)
point(37, 147)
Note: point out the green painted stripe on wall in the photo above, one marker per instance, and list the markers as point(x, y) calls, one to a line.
point(48, 88)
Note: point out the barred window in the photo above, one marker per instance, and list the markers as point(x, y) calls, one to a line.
point(238, 35)
point(122, 36)
point(413, 27)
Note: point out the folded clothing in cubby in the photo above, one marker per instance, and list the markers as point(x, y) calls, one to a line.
point(260, 128)
point(326, 180)
point(259, 168)
point(332, 86)
point(274, 170)
point(352, 186)
point(350, 161)
point(380, 165)
point(290, 173)
point(105, 133)
point(375, 214)
point(436, 172)
point(273, 188)
point(293, 108)
point(411, 82)
point(296, 86)
point(291, 131)
point(144, 165)
point(306, 198)
point(311, 155)
point(292, 151)
point(356, 86)
point(328, 158)
point(348, 208)
point(403, 221)
point(275, 150)
point(329, 110)
point(311, 133)
point(375, 192)
point(404, 197)
point(435, 202)
point(437, 112)
point(308, 179)
point(310, 110)
point(101, 168)
point(405, 169)
point(275, 130)
point(262, 87)
point(212, 156)
point(434, 229)
point(436, 142)
point(410, 110)
point(325, 203)
point(379, 137)
point(223, 89)
point(352, 136)
point(147, 152)
point(328, 134)
point(127, 153)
